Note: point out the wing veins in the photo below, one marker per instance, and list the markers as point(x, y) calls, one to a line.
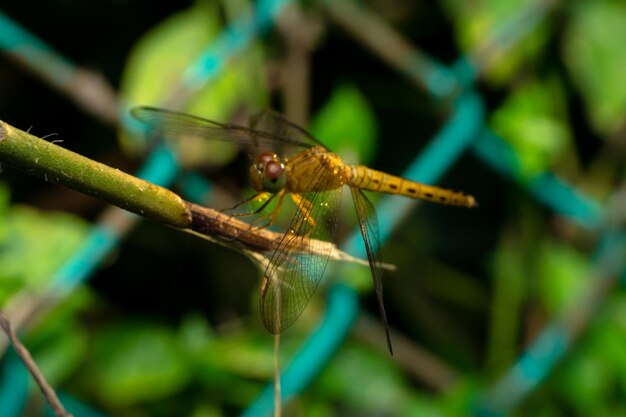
point(175, 123)
point(296, 266)
point(368, 224)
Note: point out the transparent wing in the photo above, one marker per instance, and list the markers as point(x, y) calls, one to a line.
point(277, 125)
point(174, 124)
point(368, 223)
point(293, 275)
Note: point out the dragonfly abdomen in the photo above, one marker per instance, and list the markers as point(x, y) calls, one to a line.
point(372, 180)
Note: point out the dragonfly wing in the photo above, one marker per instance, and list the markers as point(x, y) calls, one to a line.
point(276, 124)
point(368, 223)
point(171, 123)
point(293, 274)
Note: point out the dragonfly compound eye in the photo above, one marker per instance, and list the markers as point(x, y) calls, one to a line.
point(274, 176)
point(267, 173)
point(265, 157)
point(273, 170)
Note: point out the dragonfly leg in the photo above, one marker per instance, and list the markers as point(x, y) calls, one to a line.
point(271, 216)
point(304, 206)
point(277, 208)
point(258, 196)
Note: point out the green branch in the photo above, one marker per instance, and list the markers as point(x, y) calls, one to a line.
point(53, 163)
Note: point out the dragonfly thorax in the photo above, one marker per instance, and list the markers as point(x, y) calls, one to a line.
point(267, 173)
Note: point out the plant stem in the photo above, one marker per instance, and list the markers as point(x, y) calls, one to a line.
point(55, 164)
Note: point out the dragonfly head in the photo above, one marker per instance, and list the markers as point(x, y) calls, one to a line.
point(267, 173)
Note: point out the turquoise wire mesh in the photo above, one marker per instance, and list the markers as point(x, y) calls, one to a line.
point(464, 131)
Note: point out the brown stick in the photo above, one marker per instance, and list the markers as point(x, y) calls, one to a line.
point(32, 367)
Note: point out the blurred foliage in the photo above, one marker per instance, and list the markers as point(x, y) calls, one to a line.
point(34, 245)
point(531, 118)
point(61, 341)
point(347, 124)
point(596, 56)
point(159, 67)
point(176, 330)
point(136, 362)
point(592, 380)
point(383, 391)
point(477, 21)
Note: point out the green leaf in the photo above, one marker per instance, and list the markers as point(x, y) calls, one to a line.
point(531, 120)
point(595, 52)
point(207, 410)
point(161, 59)
point(26, 235)
point(424, 406)
point(195, 334)
point(611, 338)
point(358, 277)
point(347, 124)
point(61, 354)
point(135, 362)
point(587, 382)
point(364, 380)
point(59, 342)
point(510, 276)
point(475, 22)
point(560, 275)
point(243, 355)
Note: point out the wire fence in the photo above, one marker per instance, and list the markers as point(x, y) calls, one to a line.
point(464, 131)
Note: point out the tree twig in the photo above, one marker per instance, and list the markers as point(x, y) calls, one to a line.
point(32, 367)
point(53, 163)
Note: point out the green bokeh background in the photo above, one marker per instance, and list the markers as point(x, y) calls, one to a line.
point(168, 326)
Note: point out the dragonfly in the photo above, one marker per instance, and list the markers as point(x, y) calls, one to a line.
point(289, 161)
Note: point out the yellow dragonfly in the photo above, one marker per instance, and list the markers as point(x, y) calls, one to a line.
point(290, 161)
